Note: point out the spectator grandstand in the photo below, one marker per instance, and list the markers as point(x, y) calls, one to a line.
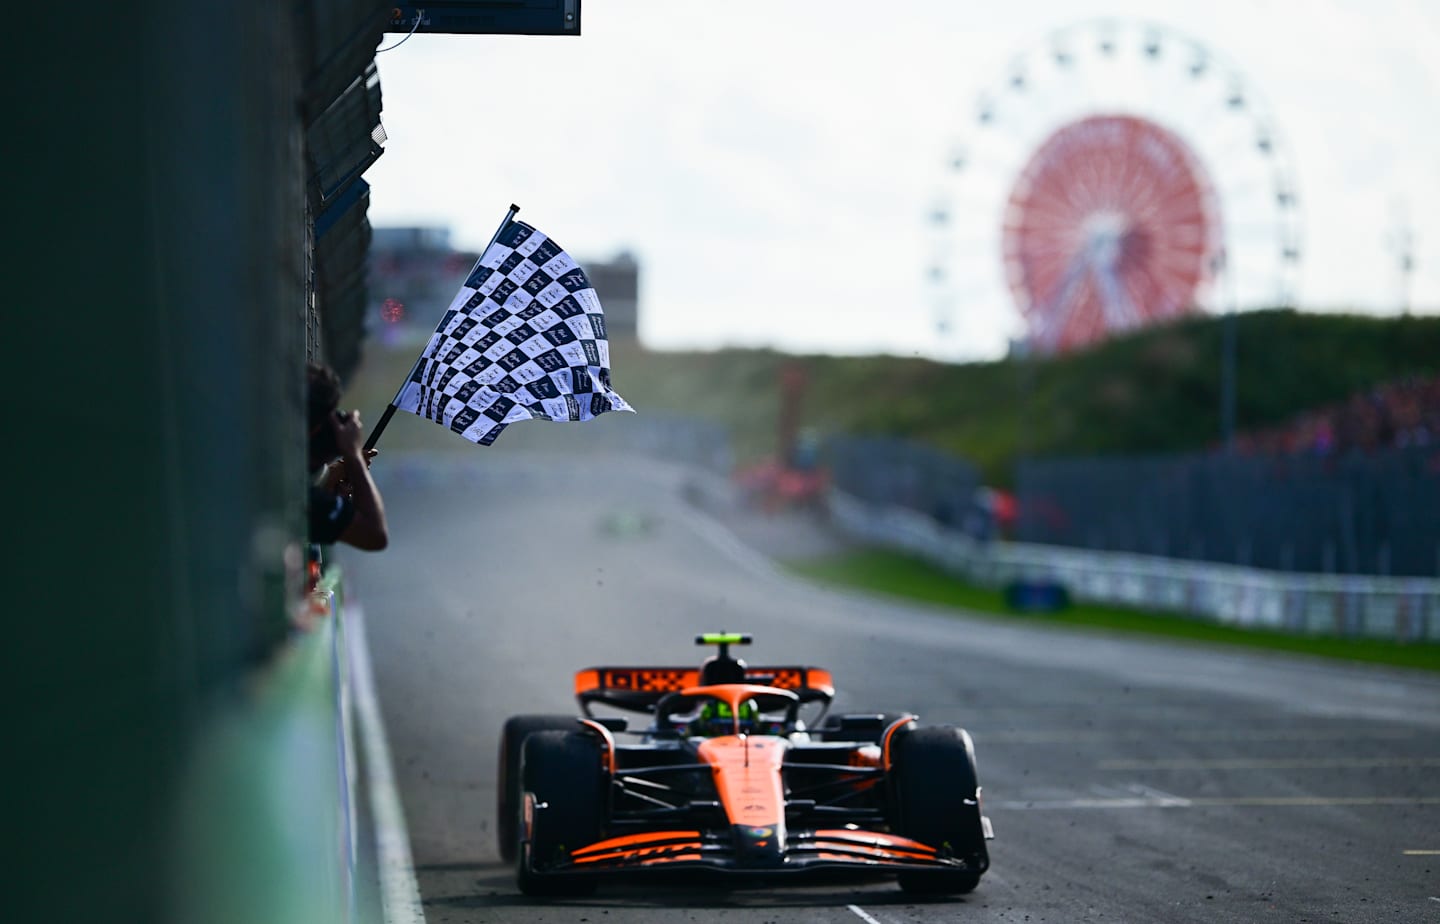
point(1396, 415)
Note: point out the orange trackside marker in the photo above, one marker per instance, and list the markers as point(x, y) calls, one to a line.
point(747, 777)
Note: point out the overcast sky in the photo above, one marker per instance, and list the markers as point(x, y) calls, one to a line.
point(772, 164)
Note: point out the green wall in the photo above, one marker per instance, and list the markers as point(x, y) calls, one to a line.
point(154, 350)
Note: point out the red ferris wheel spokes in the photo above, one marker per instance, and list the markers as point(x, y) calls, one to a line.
point(1112, 225)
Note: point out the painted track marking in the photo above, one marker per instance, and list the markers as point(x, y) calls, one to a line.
point(1261, 763)
point(723, 538)
point(1065, 736)
point(399, 892)
point(1146, 801)
point(860, 913)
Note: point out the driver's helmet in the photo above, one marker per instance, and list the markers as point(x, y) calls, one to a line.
point(716, 718)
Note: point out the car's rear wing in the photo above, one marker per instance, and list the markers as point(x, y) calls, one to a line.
point(638, 689)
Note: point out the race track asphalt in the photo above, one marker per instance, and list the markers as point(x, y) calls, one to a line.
point(1128, 780)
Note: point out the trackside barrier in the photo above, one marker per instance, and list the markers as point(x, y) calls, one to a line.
point(266, 827)
point(1403, 609)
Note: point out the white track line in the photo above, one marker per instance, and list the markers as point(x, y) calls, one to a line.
point(862, 915)
point(1126, 802)
point(1272, 763)
point(399, 893)
point(723, 538)
point(1162, 798)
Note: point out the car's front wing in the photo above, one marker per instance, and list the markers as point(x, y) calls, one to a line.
point(804, 850)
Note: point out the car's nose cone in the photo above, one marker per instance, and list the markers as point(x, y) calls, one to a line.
point(759, 846)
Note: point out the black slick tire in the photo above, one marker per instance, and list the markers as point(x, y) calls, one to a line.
point(562, 770)
point(935, 800)
point(507, 775)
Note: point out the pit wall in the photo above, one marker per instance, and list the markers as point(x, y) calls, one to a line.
point(266, 827)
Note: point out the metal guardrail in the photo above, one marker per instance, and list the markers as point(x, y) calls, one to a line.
point(1404, 609)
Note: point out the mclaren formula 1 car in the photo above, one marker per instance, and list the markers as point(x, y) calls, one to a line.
point(737, 770)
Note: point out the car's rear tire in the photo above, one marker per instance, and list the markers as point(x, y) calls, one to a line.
point(563, 772)
point(935, 800)
point(507, 774)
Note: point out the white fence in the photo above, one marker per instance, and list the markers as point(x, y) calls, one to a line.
point(1405, 609)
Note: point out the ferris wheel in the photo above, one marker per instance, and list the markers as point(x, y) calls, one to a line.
point(1116, 175)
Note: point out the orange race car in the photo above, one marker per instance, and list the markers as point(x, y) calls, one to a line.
point(738, 771)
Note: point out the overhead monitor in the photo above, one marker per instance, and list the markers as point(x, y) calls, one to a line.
point(488, 17)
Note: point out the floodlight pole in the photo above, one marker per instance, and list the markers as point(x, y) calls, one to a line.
point(1403, 243)
point(390, 408)
point(1227, 359)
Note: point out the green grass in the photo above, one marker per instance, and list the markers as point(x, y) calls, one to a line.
point(1152, 391)
point(891, 574)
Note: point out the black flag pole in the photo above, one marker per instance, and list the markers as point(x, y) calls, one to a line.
point(390, 408)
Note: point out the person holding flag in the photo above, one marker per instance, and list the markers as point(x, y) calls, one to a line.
point(345, 504)
point(524, 339)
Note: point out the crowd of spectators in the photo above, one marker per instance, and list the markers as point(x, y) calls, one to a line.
point(1395, 415)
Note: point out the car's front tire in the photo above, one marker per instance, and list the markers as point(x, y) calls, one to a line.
point(507, 774)
point(562, 771)
point(935, 800)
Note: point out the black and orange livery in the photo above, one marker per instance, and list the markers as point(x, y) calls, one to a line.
point(740, 771)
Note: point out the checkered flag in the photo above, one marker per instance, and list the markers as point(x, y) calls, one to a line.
point(523, 340)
